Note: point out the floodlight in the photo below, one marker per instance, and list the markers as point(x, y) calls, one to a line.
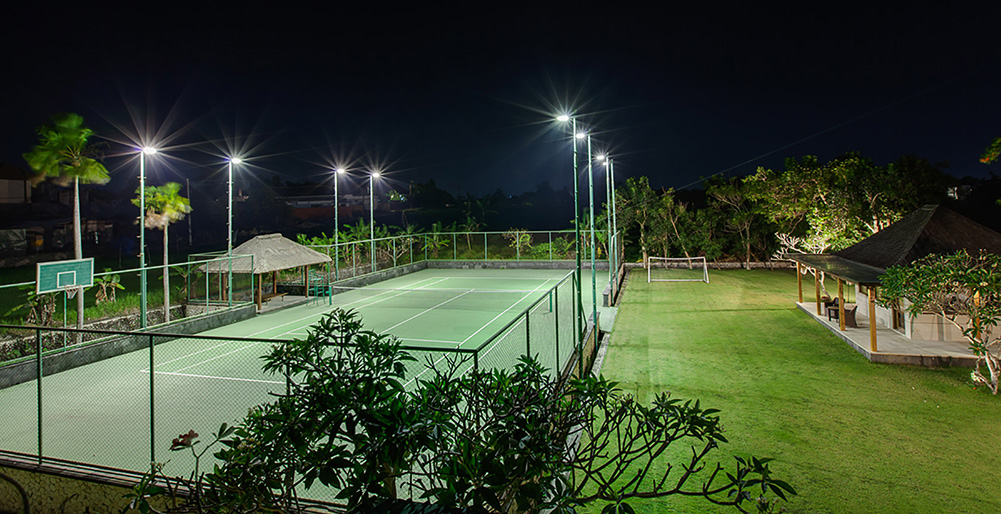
point(341, 171)
point(563, 117)
point(236, 160)
point(149, 150)
point(581, 135)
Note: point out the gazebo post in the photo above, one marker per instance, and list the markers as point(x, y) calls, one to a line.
point(841, 304)
point(872, 318)
point(259, 292)
point(799, 281)
point(816, 287)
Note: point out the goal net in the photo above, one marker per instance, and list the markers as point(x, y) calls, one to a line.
point(677, 269)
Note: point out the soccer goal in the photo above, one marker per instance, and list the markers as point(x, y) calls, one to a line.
point(677, 269)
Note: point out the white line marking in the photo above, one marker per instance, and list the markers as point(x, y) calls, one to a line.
point(216, 378)
point(429, 309)
point(429, 340)
point(478, 331)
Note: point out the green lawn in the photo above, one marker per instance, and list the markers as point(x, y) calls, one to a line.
point(849, 435)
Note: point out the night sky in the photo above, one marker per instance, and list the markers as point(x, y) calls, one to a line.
point(466, 95)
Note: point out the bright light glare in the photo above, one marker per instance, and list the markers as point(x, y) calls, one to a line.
point(341, 171)
point(376, 174)
point(149, 150)
point(581, 135)
point(563, 117)
point(235, 160)
point(600, 157)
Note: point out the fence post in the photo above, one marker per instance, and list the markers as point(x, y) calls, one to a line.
point(485, 246)
point(556, 319)
point(38, 364)
point(550, 245)
point(455, 249)
point(152, 415)
point(528, 336)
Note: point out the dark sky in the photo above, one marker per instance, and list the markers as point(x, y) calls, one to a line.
point(464, 95)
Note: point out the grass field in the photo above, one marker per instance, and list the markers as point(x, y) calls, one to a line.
point(849, 435)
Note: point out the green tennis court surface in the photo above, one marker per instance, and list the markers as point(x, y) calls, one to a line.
point(100, 413)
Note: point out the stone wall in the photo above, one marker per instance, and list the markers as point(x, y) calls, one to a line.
point(54, 494)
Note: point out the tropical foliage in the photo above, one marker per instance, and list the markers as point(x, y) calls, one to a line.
point(351, 422)
point(164, 205)
point(963, 289)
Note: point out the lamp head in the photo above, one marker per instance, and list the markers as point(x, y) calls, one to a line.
point(340, 171)
point(376, 174)
point(563, 117)
point(149, 150)
point(581, 135)
point(235, 160)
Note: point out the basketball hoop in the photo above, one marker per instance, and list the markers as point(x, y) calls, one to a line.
point(71, 291)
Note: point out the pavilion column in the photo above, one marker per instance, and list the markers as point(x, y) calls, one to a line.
point(872, 319)
point(260, 278)
point(841, 305)
point(816, 287)
point(799, 281)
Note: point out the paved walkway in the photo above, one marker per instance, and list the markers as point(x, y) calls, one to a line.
point(894, 347)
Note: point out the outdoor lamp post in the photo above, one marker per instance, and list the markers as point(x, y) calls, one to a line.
point(576, 220)
point(590, 189)
point(609, 202)
point(371, 213)
point(146, 150)
point(337, 226)
point(229, 230)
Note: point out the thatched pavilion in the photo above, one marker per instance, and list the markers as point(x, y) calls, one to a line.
point(932, 229)
point(271, 253)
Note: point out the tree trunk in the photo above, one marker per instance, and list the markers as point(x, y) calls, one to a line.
point(166, 280)
point(77, 253)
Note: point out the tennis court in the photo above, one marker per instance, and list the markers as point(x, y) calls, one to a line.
point(104, 413)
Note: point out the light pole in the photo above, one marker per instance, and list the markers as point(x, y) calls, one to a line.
point(337, 226)
point(576, 224)
point(371, 214)
point(229, 230)
point(590, 188)
point(147, 150)
point(609, 203)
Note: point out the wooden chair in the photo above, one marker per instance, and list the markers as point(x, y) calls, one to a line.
point(850, 309)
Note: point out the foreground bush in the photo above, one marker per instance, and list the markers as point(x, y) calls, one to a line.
point(456, 440)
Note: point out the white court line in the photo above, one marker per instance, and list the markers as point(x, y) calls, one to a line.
point(397, 291)
point(429, 340)
point(478, 331)
point(216, 378)
point(429, 309)
point(266, 330)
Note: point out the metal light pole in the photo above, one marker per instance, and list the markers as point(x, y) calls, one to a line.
point(229, 231)
point(337, 226)
point(371, 213)
point(590, 187)
point(148, 150)
point(576, 220)
point(609, 186)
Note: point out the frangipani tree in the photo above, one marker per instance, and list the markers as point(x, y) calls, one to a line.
point(164, 205)
point(963, 289)
point(63, 154)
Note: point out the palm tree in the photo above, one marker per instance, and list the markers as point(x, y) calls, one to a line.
point(164, 205)
point(62, 154)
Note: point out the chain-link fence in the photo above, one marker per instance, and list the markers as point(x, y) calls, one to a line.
point(87, 406)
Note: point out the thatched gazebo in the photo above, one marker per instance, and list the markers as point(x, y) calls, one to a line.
point(932, 229)
point(271, 253)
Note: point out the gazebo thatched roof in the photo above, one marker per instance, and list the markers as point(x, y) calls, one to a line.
point(930, 229)
point(271, 252)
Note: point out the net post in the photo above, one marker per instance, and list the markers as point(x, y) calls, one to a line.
point(38, 369)
point(476, 360)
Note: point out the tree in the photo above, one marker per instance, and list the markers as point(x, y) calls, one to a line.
point(491, 441)
point(636, 203)
point(164, 205)
point(64, 155)
point(993, 152)
point(963, 289)
point(732, 200)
